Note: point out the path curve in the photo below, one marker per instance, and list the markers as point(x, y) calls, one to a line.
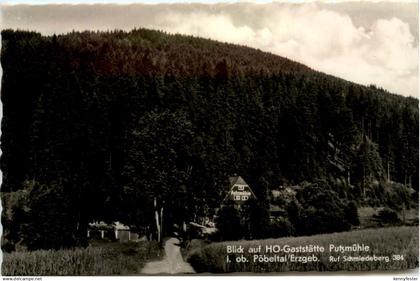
point(172, 262)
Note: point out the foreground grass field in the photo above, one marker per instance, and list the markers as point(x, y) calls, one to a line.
point(389, 241)
point(98, 259)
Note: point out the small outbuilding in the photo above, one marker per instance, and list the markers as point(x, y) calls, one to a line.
point(111, 231)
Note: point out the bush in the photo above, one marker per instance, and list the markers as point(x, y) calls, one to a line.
point(257, 220)
point(251, 221)
point(351, 214)
point(320, 210)
point(228, 223)
point(13, 215)
point(398, 195)
point(48, 221)
point(281, 227)
point(387, 216)
point(38, 217)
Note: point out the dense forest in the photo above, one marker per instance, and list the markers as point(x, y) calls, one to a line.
point(112, 125)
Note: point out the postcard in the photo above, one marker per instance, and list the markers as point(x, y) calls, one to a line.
point(186, 138)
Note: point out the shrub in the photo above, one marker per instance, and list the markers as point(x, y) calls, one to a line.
point(48, 222)
point(251, 221)
point(281, 227)
point(387, 216)
point(257, 220)
point(13, 215)
point(228, 223)
point(398, 195)
point(320, 210)
point(351, 213)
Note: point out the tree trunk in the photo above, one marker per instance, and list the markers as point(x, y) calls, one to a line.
point(403, 212)
point(363, 182)
point(158, 229)
point(161, 221)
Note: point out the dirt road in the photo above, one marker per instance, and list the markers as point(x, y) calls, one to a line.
point(172, 263)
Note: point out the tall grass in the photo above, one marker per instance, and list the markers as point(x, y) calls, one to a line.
point(99, 259)
point(382, 242)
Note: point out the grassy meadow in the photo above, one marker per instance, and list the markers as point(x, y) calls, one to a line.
point(388, 241)
point(97, 259)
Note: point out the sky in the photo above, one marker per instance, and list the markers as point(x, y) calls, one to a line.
point(364, 42)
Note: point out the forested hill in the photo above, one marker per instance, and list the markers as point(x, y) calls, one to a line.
point(107, 121)
point(146, 51)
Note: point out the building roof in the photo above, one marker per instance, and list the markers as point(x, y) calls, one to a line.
point(108, 226)
point(237, 180)
point(276, 209)
point(120, 226)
